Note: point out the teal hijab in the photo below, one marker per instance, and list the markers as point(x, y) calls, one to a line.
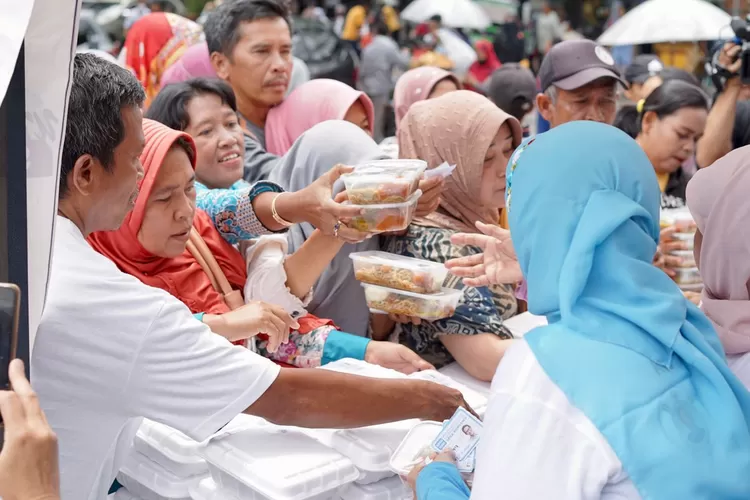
point(641, 362)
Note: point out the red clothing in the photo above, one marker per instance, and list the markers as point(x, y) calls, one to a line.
point(481, 71)
point(181, 276)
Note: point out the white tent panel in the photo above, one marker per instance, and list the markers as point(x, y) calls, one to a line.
point(50, 47)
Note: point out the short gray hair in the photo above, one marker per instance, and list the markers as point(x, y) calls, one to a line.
point(551, 93)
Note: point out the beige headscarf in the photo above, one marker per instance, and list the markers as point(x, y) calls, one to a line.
point(457, 128)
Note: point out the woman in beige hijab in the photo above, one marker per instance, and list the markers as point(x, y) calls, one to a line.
point(464, 129)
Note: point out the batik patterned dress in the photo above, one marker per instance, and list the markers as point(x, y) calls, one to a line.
point(481, 309)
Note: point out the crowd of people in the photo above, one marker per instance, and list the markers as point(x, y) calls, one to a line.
point(201, 262)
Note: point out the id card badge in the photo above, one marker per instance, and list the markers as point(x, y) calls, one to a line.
point(460, 434)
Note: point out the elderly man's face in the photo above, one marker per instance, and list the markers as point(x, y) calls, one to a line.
point(595, 102)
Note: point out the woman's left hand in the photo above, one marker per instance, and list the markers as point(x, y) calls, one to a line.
point(431, 190)
point(400, 318)
point(320, 209)
point(446, 456)
point(396, 357)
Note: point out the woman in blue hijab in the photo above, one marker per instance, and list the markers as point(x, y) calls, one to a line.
point(626, 392)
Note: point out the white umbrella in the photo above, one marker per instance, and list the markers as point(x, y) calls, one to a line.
point(658, 21)
point(455, 13)
point(499, 10)
point(458, 51)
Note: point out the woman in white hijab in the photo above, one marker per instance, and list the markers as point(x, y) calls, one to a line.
point(337, 294)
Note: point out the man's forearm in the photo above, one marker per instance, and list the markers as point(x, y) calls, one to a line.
point(325, 399)
point(717, 138)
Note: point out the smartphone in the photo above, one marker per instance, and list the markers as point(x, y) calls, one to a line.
point(10, 308)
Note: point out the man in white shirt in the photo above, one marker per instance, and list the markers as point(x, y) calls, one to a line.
point(548, 28)
point(111, 350)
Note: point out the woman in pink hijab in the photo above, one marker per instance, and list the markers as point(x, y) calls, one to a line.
point(426, 82)
point(315, 102)
point(717, 198)
point(465, 129)
point(194, 63)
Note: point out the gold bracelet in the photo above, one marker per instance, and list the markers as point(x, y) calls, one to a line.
point(275, 214)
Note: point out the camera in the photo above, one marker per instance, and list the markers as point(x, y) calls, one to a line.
point(741, 28)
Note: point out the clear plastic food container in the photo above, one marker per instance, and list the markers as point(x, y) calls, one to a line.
point(430, 307)
point(687, 238)
point(383, 181)
point(696, 287)
point(688, 276)
point(386, 217)
point(679, 216)
point(399, 272)
point(688, 259)
point(416, 446)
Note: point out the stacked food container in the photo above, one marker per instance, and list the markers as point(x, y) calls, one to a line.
point(405, 286)
point(163, 465)
point(386, 191)
point(687, 274)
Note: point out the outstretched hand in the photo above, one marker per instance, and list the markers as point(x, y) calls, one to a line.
point(327, 214)
point(496, 265)
point(396, 357)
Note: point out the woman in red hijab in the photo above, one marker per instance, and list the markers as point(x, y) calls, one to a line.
point(154, 245)
point(154, 43)
point(486, 64)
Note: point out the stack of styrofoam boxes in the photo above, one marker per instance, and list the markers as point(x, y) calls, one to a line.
point(163, 465)
point(251, 459)
point(371, 448)
point(687, 276)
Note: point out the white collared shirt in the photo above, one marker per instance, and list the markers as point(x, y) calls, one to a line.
point(111, 350)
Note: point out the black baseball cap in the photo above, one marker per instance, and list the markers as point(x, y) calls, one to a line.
point(643, 67)
point(513, 89)
point(571, 64)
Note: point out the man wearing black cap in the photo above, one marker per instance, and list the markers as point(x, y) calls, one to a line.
point(643, 75)
point(579, 82)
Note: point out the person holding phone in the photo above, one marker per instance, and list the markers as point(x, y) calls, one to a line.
point(28, 460)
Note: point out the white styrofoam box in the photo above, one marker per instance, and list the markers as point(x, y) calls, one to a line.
point(369, 477)
point(207, 489)
point(460, 375)
point(477, 401)
point(370, 448)
point(362, 368)
point(280, 463)
point(392, 488)
point(170, 448)
point(148, 480)
point(416, 445)
point(124, 494)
